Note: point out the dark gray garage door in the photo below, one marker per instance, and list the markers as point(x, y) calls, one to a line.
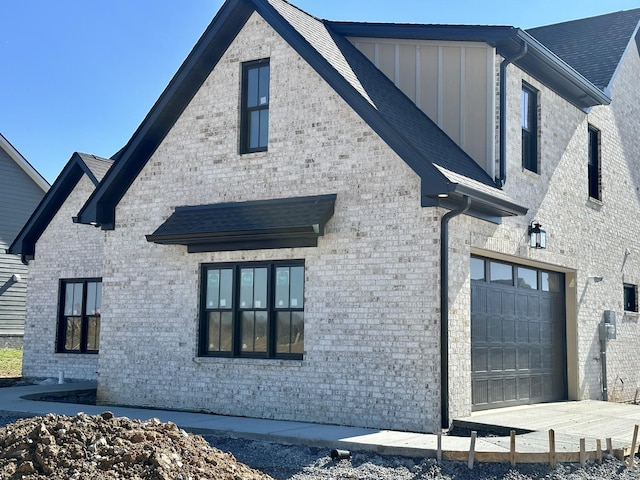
point(518, 347)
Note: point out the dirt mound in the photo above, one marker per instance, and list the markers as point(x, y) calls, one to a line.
point(105, 447)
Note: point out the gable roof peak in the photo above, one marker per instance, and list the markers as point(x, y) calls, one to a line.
point(593, 46)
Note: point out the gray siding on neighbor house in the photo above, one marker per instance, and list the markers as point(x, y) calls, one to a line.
point(19, 196)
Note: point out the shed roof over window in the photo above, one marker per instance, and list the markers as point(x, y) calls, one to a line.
point(276, 223)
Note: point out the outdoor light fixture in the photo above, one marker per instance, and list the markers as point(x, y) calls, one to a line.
point(537, 236)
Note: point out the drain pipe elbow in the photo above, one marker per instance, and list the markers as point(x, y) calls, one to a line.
point(502, 179)
point(444, 307)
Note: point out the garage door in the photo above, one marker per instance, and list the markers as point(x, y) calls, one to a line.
point(518, 347)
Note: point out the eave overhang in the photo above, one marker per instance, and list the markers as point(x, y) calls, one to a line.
point(490, 206)
point(25, 242)
point(261, 224)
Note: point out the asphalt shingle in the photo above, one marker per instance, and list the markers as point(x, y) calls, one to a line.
point(593, 46)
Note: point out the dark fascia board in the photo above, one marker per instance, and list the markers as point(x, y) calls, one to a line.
point(540, 62)
point(483, 204)
point(409, 31)
point(100, 207)
point(550, 69)
point(64, 184)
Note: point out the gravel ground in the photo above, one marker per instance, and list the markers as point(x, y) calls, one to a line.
point(286, 462)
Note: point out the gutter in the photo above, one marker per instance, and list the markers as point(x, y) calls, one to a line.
point(444, 307)
point(502, 179)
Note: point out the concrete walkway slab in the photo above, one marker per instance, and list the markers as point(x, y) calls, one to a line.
point(570, 420)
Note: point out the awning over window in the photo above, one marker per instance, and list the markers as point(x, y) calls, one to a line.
point(277, 223)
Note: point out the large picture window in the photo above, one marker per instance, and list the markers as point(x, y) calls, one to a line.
point(253, 310)
point(255, 107)
point(79, 317)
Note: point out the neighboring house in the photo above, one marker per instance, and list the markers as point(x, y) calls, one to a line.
point(21, 189)
point(345, 223)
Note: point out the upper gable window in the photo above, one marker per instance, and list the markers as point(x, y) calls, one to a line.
point(594, 163)
point(529, 128)
point(255, 107)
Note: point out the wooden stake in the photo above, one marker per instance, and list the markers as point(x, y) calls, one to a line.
point(609, 446)
point(583, 456)
point(439, 454)
point(598, 450)
point(472, 449)
point(552, 448)
point(512, 448)
point(633, 446)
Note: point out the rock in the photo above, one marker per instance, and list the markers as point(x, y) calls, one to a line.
point(101, 447)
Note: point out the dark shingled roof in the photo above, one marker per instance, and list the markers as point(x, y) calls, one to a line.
point(407, 130)
point(274, 223)
point(593, 46)
point(95, 168)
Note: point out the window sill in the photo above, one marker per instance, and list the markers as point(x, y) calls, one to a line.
point(275, 362)
point(533, 174)
point(594, 203)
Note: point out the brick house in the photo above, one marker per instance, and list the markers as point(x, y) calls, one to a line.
point(377, 225)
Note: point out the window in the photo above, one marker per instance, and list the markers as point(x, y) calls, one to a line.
point(501, 273)
point(630, 298)
point(255, 107)
point(487, 270)
point(529, 128)
point(79, 317)
point(594, 163)
point(477, 269)
point(253, 310)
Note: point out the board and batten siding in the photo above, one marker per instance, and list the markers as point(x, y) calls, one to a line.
point(453, 83)
point(19, 196)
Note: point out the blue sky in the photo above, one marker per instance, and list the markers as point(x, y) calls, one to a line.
point(80, 75)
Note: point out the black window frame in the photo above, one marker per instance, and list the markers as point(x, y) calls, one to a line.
point(236, 310)
point(246, 110)
point(63, 318)
point(630, 297)
point(529, 124)
point(594, 163)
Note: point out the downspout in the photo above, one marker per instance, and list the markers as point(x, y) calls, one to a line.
point(444, 307)
point(503, 108)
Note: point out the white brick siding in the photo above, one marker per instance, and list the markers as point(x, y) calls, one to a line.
point(371, 330)
point(65, 250)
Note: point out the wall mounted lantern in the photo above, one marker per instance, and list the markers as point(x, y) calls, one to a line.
point(537, 236)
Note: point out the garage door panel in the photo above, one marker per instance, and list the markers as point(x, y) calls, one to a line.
point(510, 359)
point(534, 332)
point(479, 359)
point(524, 388)
point(495, 360)
point(479, 299)
point(479, 329)
point(494, 329)
point(480, 392)
point(509, 330)
point(510, 389)
point(518, 341)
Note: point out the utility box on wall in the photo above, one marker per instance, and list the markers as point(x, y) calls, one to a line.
point(608, 326)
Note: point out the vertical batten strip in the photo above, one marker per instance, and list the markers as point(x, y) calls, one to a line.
point(463, 69)
point(440, 86)
point(418, 78)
